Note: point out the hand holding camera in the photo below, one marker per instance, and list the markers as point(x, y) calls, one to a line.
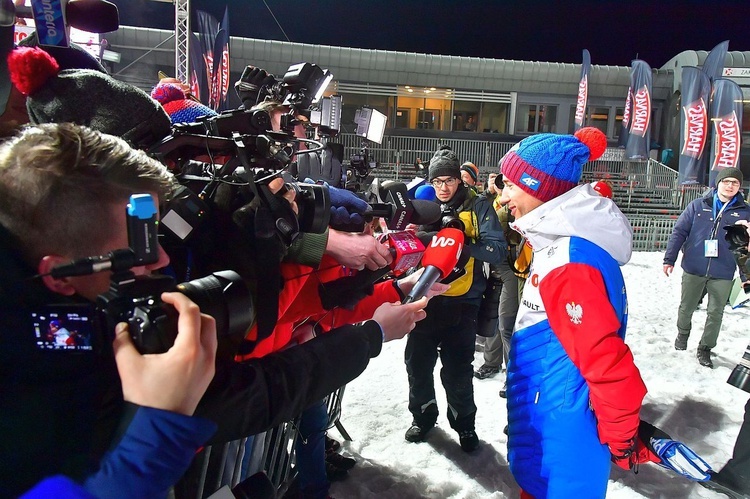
point(175, 380)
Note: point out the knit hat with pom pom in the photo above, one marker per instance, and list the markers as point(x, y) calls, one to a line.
point(86, 97)
point(177, 105)
point(547, 165)
point(444, 163)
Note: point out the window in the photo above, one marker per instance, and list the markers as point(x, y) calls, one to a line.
point(494, 117)
point(536, 118)
point(352, 102)
point(466, 116)
point(599, 118)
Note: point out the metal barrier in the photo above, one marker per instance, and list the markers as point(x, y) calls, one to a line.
point(232, 462)
point(651, 233)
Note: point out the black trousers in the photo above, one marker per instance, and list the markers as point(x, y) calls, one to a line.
point(448, 331)
point(737, 470)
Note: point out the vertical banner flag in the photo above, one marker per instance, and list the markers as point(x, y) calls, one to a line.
point(726, 116)
point(639, 134)
point(198, 79)
point(623, 138)
point(583, 91)
point(220, 80)
point(713, 66)
point(696, 90)
point(208, 27)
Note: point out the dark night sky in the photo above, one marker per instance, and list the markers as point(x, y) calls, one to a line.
point(534, 30)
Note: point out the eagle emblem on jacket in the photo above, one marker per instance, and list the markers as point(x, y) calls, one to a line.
point(575, 312)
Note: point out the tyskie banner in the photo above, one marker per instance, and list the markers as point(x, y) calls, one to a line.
point(694, 126)
point(583, 91)
point(726, 116)
point(639, 132)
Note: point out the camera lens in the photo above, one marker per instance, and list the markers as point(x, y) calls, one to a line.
point(740, 376)
point(314, 203)
point(224, 296)
point(737, 236)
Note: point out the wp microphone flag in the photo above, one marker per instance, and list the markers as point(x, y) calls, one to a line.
point(438, 261)
point(639, 133)
point(583, 91)
point(713, 66)
point(696, 89)
point(726, 116)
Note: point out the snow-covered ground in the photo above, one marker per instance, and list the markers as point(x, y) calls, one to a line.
point(692, 403)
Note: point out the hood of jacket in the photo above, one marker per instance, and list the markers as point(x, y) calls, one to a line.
point(583, 213)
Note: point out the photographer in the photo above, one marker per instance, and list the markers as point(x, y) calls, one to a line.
point(451, 324)
point(62, 193)
point(735, 475)
point(162, 438)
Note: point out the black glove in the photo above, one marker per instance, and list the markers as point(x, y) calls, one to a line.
point(254, 86)
point(738, 239)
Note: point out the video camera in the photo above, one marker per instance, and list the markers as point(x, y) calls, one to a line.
point(136, 299)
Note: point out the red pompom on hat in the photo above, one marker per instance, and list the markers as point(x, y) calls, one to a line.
point(30, 68)
point(594, 139)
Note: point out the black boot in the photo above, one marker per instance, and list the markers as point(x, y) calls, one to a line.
point(680, 343)
point(704, 357)
point(417, 433)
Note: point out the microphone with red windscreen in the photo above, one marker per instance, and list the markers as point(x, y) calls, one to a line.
point(438, 261)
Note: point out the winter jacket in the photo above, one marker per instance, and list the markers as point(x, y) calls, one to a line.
point(59, 409)
point(574, 392)
point(697, 224)
point(154, 453)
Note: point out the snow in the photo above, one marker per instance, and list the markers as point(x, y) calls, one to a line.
point(692, 403)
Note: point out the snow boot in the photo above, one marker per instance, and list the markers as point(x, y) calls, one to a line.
point(680, 343)
point(704, 357)
point(417, 433)
point(469, 440)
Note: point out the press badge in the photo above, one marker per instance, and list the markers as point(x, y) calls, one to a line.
point(711, 248)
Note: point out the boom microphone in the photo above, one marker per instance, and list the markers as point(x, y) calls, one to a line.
point(440, 257)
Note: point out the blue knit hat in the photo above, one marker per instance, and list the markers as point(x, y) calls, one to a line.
point(547, 165)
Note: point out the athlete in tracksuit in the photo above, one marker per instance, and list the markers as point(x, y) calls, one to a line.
point(574, 392)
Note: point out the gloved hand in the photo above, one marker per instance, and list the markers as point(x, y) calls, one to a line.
point(254, 85)
point(347, 209)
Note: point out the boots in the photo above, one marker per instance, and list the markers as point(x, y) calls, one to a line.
point(704, 357)
point(680, 343)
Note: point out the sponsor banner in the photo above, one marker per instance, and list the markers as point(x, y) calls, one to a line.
point(208, 27)
point(726, 116)
point(639, 130)
point(623, 138)
point(694, 126)
point(736, 72)
point(713, 66)
point(583, 91)
point(197, 78)
point(220, 79)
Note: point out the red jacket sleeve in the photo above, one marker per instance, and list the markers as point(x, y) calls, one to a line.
point(582, 318)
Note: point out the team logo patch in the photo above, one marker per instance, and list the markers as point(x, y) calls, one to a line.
point(530, 182)
point(575, 312)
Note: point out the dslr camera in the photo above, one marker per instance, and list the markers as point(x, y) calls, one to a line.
point(136, 299)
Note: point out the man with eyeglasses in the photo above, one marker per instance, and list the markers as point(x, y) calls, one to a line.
point(707, 261)
point(450, 328)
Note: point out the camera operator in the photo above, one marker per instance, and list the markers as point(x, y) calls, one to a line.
point(62, 193)
point(354, 250)
point(451, 325)
point(162, 438)
point(735, 475)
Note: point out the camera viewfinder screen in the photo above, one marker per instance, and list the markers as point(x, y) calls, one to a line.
point(63, 327)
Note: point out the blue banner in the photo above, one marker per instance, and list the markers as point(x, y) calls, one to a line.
point(726, 116)
point(696, 90)
point(639, 132)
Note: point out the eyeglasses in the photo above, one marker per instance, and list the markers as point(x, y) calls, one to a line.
point(450, 182)
point(730, 181)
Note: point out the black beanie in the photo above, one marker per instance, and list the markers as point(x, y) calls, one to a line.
point(444, 163)
point(86, 97)
point(729, 173)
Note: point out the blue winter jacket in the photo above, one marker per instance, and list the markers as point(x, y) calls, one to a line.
point(696, 225)
point(154, 453)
